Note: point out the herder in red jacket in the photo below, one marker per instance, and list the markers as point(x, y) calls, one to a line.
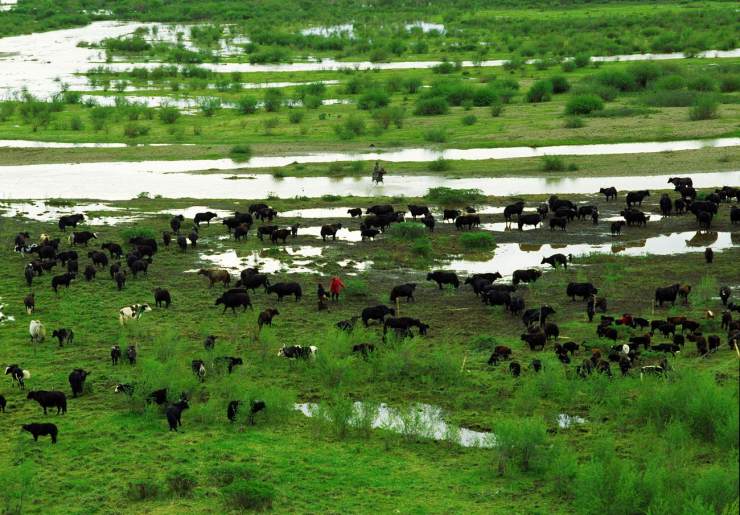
point(335, 286)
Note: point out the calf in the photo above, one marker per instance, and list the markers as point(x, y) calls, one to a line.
point(199, 369)
point(114, 249)
point(77, 381)
point(64, 335)
point(216, 275)
point(228, 362)
point(18, 375)
point(265, 318)
point(41, 430)
point(132, 312)
point(174, 413)
point(376, 313)
point(82, 237)
point(557, 259)
point(162, 296)
point(115, 354)
point(330, 230)
point(61, 280)
point(48, 399)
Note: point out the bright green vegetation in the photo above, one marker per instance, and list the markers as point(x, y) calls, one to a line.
point(615, 103)
point(647, 444)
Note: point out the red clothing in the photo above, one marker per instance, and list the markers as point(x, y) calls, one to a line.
point(336, 285)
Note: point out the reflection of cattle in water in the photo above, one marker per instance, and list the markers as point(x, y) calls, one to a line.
point(378, 173)
point(702, 239)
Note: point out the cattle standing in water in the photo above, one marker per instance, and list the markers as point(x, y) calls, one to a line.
point(616, 227)
point(562, 223)
point(41, 430)
point(450, 214)
point(418, 211)
point(636, 197)
point(513, 209)
point(442, 277)
point(666, 205)
point(354, 212)
point(557, 259)
point(468, 221)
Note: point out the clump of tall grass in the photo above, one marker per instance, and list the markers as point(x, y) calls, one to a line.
point(478, 240)
point(519, 441)
point(451, 196)
point(704, 108)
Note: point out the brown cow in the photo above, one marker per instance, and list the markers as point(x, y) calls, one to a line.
point(216, 275)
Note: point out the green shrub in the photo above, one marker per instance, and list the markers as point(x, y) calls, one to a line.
point(241, 152)
point(407, 231)
point(373, 99)
point(645, 72)
point(540, 91)
point(75, 123)
point(440, 165)
point(6, 110)
point(249, 495)
point(430, 106)
point(295, 116)
point(581, 60)
point(478, 240)
point(133, 130)
point(412, 84)
point(389, 115)
point(246, 105)
point(552, 164)
point(455, 197)
point(181, 484)
point(168, 114)
point(209, 105)
point(497, 110)
point(445, 67)
point(670, 82)
point(331, 198)
point(270, 123)
point(729, 83)
point(618, 79)
point(351, 127)
point(469, 119)
point(568, 66)
point(437, 135)
point(669, 98)
point(519, 441)
point(573, 122)
point(484, 96)
point(422, 247)
point(356, 288)
point(705, 108)
point(702, 83)
point(273, 100)
point(583, 104)
point(559, 84)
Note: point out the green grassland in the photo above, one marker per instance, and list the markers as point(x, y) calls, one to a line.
point(646, 444)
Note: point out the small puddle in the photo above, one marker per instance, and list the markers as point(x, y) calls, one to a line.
point(422, 420)
point(268, 265)
point(343, 234)
point(43, 212)
point(508, 257)
point(190, 212)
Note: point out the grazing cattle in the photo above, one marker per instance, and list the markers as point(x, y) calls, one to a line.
point(587, 211)
point(450, 214)
point(500, 352)
point(557, 259)
point(552, 331)
point(82, 237)
point(667, 294)
point(347, 325)
point(610, 193)
point(666, 347)
point(193, 237)
point(114, 268)
point(403, 290)
point(182, 242)
point(265, 318)
point(529, 219)
point(70, 221)
point(683, 291)
point(162, 296)
point(525, 276)
point(77, 381)
point(708, 255)
point(369, 233)
point(479, 284)
point(199, 369)
point(139, 266)
point(231, 410)
point(643, 340)
point(37, 430)
point(497, 298)
point(636, 197)
point(266, 230)
point(704, 218)
point(468, 221)
point(355, 212)
point(635, 217)
point(363, 348)
point(235, 298)
point(210, 342)
point(281, 234)
point(28, 272)
point(329, 230)
point(707, 206)
point(515, 369)
point(583, 290)
point(616, 227)
point(297, 351)
point(216, 275)
point(61, 280)
point(228, 362)
point(90, 273)
point(255, 406)
point(250, 281)
point(285, 289)
point(98, 258)
point(666, 205)
point(513, 209)
point(176, 222)
point(174, 413)
point(241, 232)
point(63, 335)
point(516, 305)
point(442, 277)
point(66, 256)
point(73, 267)
point(382, 222)
point(131, 355)
point(489, 276)
point(120, 278)
point(206, 216)
point(562, 223)
point(266, 213)
point(132, 312)
point(114, 249)
point(567, 213)
point(49, 399)
point(418, 211)
point(734, 214)
point(382, 209)
point(403, 325)
point(607, 332)
point(29, 301)
point(429, 222)
point(535, 340)
point(37, 331)
point(158, 397)
point(376, 313)
point(18, 375)
point(115, 354)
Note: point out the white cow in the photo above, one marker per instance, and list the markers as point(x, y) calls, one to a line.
point(132, 312)
point(37, 331)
